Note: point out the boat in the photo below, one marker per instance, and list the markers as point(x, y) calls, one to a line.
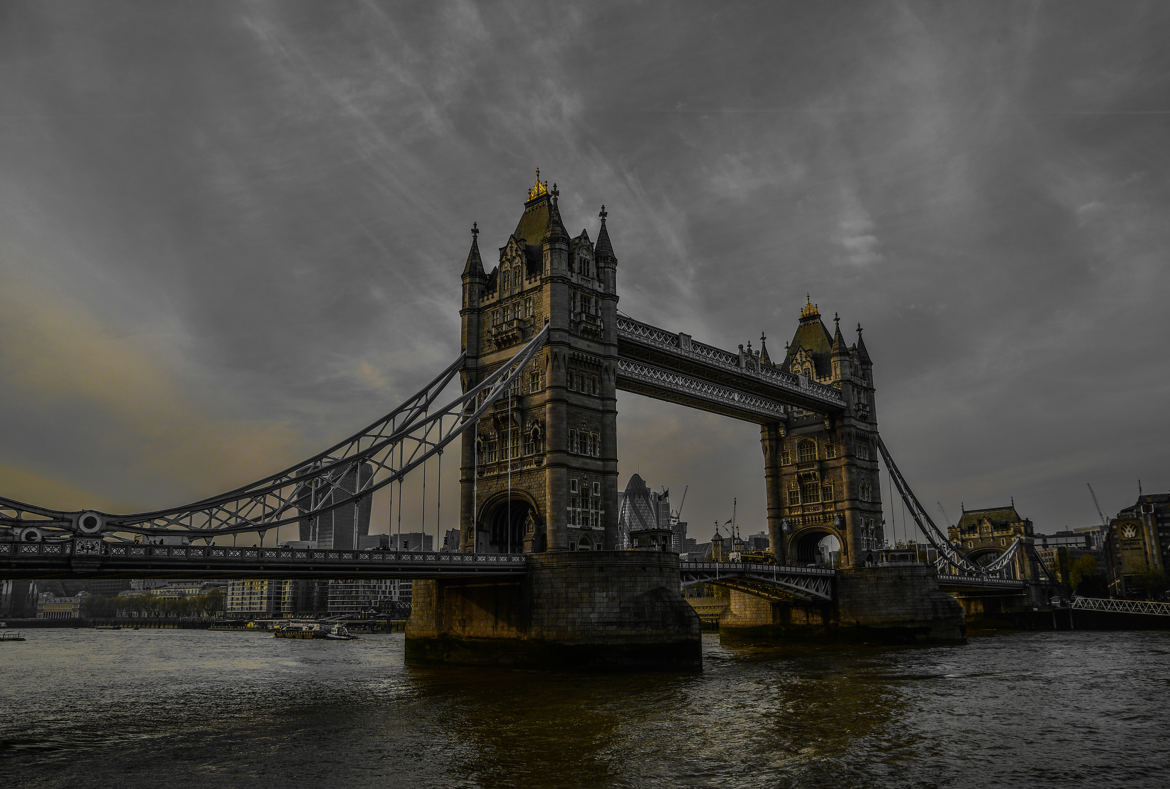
point(313, 630)
point(11, 635)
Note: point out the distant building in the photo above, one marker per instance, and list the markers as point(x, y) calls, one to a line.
point(50, 606)
point(355, 598)
point(259, 597)
point(645, 519)
point(450, 541)
point(342, 527)
point(1138, 546)
point(411, 541)
point(18, 598)
point(985, 534)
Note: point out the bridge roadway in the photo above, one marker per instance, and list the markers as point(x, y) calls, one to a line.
point(93, 558)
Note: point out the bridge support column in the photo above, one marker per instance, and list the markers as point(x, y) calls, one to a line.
point(602, 610)
point(771, 441)
point(883, 604)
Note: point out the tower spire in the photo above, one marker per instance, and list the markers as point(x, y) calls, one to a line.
point(474, 266)
point(603, 247)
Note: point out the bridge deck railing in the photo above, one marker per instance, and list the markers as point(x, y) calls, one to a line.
point(254, 553)
point(740, 567)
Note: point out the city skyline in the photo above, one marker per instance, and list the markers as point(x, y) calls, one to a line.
point(232, 235)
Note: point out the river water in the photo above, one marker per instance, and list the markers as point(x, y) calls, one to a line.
point(198, 708)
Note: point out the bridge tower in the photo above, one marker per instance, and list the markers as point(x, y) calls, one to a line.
point(821, 472)
point(540, 471)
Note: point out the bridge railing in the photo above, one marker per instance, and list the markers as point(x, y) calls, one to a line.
point(755, 567)
point(66, 548)
point(946, 579)
point(1149, 607)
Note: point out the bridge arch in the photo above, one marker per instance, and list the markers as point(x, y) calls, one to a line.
point(510, 522)
point(818, 545)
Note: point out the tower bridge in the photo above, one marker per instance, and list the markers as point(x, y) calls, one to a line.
point(543, 354)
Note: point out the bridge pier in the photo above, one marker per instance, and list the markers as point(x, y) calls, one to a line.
point(887, 604)
point(611, 610)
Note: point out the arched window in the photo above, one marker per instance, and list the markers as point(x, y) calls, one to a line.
point(806, 451)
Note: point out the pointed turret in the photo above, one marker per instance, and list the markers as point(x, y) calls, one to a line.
point(764, 358)
point(603, 248)
point(474, 267)
point(839, 346)
point(555, 231)
point(859, 348)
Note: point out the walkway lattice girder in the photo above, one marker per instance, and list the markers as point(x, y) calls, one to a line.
point(679, 354)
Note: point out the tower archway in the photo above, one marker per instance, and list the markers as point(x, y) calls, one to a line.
point(819, 546)
point(510, 524)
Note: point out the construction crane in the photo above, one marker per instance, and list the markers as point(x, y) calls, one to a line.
point(1104, 523)
point(676, 516)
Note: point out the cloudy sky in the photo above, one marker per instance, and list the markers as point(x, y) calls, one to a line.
point(231, 233)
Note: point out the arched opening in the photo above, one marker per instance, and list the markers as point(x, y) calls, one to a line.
point(817, 548)
point(983, 557)
point(505, 524)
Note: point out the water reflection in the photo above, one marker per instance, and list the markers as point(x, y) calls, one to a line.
point(224, 709)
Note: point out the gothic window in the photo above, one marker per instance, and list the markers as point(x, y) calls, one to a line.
point(596, 488)
point(507, 282)
point(811, 493)
point(830, 449)
point(573, 485)
point(785, 455)
point(528, 307)
point(793, 495)
point(866, 491)
point(573, 444)
point(534, 380)
point(827, 491)
point(806, 451)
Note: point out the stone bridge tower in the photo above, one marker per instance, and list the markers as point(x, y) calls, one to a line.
point(821, 472)
point(540, 471)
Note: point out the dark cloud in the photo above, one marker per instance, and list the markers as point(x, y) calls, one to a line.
point(235, 230)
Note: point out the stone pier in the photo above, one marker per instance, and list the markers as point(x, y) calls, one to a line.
point(876, 604)
point(606, 610)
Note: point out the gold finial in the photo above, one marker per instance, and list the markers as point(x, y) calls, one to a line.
point(809, 310)
point(538, 188)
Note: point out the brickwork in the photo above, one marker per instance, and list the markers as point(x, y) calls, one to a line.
point(893, 604)
point(600, 609)
point(552, 446)
point(821, 473)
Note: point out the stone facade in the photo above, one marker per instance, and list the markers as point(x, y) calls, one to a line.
point(882, 604)
point(821, 473)
point(540, 471)
point(615, 609)
point(985, 534)
point(1138, 545)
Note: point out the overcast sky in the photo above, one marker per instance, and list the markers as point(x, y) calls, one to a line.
point(231, 233)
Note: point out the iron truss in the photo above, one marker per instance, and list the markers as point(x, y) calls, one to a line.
point(683, 346)
point(949, 555)
point(1121, 606)
point(342, 475)
point(96, 558)
point(771, 581)
point(641, 376)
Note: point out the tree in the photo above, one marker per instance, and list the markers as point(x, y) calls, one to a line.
point(213, 602)
point(1084, 568)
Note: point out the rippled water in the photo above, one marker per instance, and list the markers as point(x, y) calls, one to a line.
point(152, 708)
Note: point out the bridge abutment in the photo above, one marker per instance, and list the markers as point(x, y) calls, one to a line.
point(886, 604)
point(609, 610)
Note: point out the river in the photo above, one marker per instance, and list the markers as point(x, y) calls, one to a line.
point(196, 708)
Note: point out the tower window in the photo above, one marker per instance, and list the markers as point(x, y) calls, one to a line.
point(806, 451)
